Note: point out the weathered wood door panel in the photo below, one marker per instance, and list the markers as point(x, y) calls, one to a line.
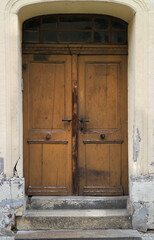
point(47, 140)
point(54, 164)
point(102, 98)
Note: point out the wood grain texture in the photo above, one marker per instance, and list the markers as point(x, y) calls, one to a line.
point(47, 100)
point(34, 141)
point(75, 160)
point(102, 100)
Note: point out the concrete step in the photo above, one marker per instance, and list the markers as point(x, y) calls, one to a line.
point(109, 234)
point(44, 203)
point(74, 219)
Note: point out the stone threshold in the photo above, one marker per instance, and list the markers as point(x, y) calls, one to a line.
point(76, 202)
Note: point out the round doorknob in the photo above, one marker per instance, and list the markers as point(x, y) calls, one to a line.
point(102, 135)
point(48, 136)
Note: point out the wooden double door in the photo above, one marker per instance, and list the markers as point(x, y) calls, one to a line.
point(75, 124)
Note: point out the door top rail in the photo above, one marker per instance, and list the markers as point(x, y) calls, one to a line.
point(75, 49)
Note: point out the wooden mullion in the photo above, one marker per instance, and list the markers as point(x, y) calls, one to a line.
point(93, 30)
point(74, 30)
point(109, 31)
point(57, 29)
point(121, 30)
point(49, 30)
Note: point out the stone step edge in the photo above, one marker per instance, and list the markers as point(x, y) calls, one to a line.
point(78, 234)
point(76, 213)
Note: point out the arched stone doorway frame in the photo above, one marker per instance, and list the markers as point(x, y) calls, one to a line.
point(137, 14)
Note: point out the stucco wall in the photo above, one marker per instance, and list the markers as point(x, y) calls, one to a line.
point(140, 16)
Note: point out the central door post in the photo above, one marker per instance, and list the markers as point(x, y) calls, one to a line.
point(74, 125)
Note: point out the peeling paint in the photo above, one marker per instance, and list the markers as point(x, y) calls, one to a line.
point(141, 203)
point(136, 178)
point(140, 217)
point(13, 203)
point(11, 200)
point(6, 234)
point(136, 146)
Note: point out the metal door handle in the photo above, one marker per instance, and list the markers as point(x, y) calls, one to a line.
point(66, 120)
point(83, 120)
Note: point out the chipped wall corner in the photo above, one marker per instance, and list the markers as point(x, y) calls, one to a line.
point(141, 203)
point(11, 201)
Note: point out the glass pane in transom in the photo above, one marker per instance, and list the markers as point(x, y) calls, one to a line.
point(118, 37)
point(101, 23)
point(32, 24)
point(31, 36)
point(49, 37)
point(49, 22)
point(75, 22)
point(75, 37)
point(101, 37)
point(117, 25)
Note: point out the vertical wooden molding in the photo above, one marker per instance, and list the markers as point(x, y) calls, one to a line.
point(75, 125)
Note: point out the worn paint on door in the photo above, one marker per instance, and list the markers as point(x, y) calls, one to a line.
point(91, 159)
point(102, 149)
point(47, 139)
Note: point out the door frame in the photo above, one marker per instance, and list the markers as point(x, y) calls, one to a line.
point(75, 50)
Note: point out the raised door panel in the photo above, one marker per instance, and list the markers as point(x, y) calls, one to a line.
point(47, 140)
point(102, 83)
point(46, 95)
point(101, 95)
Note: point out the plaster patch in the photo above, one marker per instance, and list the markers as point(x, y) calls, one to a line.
point(147, 236)
point(1, 165)
point(150, 223)
point(13, 203)
point(141, 204)
point(143, 216)
point(136, 146)
point(6, 232)
point(142, 191)
point(140, 217)
point(9, 187)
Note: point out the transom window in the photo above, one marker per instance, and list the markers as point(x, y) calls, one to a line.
point(87, 29)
